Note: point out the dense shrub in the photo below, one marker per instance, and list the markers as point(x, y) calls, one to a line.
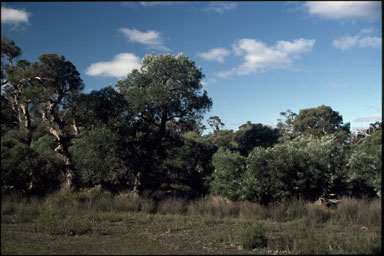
point(228, 174)
point(98, 159)
point(305, 167)
point(25, 169)
point(187, 165)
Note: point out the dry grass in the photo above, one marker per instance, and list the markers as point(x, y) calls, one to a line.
point(296, 227)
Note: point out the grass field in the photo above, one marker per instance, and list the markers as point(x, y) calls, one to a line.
point(95, 222)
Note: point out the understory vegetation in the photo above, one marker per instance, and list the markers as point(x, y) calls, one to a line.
point(211, 225)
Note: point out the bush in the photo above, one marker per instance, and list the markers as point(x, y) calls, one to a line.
point(227, 176)
point(26, 170)
point(304, 167)
point(98, 159)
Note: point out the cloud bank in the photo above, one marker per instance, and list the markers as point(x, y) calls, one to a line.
point(120, 66)
point(151, 38)
point(342, 10)
point(259, 57)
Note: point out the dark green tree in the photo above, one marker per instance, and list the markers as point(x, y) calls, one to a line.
point(165, 90)
point(101, 107)
point(17, 86)
point(224, 139)
point(56, 82)
point(285, 124)
point(215, 123)
point(321, 121)
point(188, 165)
point(255, 135)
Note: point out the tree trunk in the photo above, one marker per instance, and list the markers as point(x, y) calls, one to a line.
point(62, 140)
point(27, 122)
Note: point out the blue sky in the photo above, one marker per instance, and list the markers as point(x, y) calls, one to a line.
point(259, 58)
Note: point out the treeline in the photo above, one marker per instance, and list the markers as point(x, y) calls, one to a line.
point(146, 136)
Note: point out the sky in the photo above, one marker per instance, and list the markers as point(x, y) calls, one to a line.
point(258, 58)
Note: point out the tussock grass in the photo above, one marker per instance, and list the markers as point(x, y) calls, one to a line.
point(172, 206)
point(214, 206)
point(253, 235)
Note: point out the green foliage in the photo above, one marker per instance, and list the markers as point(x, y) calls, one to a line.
point(365, 166)
point(224, 139)
point(189, 164)
point(25, 169)
point(101, 107)
point(8, 116)
point(304, 167)
point(98, 158)
point(255, 135)
point(166, 88)
point(228, 174)
point(320, 121)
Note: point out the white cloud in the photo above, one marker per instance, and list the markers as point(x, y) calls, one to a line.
point(345, 42)
point(370, 41)
point(151, 38)
point(220, 7)
point(341, 10)
point(120, 66)
point(14, 16)
point(259, 57)
point(360, 40)
point(216, 54)
point(372, 118)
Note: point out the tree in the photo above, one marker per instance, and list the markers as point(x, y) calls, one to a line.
point(320, 121)
point(286, 126)
point(254, 135)
point(215, 123)
point(188, 165)
point(166, 89)
point(100, 107)
point(17, 85)
point(9, 51)
point(224, 139)
point(57, 82)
